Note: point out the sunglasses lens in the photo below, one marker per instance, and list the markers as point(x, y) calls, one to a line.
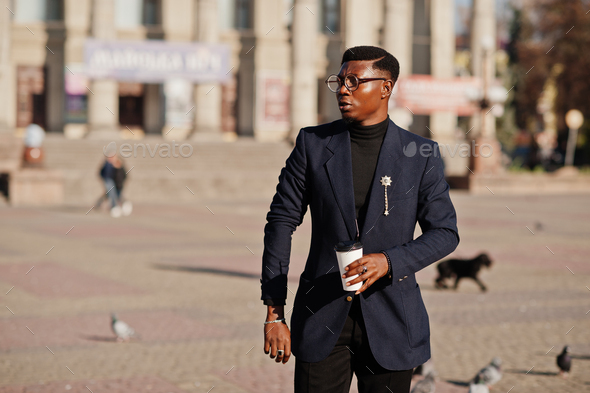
point(351, 82)
point(333, 83)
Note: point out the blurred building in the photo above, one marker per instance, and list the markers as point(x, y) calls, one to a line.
point(90, 68)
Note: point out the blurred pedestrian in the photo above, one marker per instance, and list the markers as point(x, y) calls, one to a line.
point(113, 175)
point(522, 147)
point(33, 154)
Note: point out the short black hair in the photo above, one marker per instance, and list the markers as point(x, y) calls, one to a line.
point(385, 60)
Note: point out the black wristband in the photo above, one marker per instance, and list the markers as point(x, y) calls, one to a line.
point(388, 263)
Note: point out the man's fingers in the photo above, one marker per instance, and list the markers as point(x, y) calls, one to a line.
point(355, 280)
point(287, 352)
point(361, 277)
point(358, 278)
point(266, 346)
point(366, 285)
point(353, 265)
point(280, 354)
point(354, 270)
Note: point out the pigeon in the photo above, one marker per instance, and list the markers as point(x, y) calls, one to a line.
point(478, 388)
point(564, 362)
point(122, 330)
point(490, 374)
point(425, 385)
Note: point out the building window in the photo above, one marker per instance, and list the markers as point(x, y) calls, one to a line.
point(38, 10)
point(243, 14)
point(55, 10)
point(128, 14)
point(152, 11)
point(330, 16)
point(235, 14)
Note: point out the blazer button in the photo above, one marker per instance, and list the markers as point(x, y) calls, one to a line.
point(405, 277)
point(349, 298)
point(400, 280)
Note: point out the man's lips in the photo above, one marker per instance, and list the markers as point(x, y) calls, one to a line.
point(343, 105)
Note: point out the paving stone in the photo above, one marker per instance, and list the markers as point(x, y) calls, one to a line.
point(49, 279)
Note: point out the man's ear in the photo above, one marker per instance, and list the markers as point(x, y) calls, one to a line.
point(387, 88)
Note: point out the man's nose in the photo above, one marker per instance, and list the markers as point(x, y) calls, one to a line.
point(343, 90)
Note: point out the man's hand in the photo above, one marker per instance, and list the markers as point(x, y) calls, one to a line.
point(277, 335)
point(376, 265)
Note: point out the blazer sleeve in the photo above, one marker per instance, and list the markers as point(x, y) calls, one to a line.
point(287, 210)
point(438, 221)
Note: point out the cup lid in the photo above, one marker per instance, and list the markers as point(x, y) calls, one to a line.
point(348, 245)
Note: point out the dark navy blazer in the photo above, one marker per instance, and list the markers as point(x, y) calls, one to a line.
point(318, 173)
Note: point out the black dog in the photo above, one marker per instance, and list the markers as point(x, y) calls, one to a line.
point(462, 268)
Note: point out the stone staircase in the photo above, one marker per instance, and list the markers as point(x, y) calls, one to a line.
point(240, 170)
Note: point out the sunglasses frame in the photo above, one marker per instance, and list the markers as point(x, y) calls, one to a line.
point(342, 81)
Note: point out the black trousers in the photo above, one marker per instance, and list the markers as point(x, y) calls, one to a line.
point(350, 355)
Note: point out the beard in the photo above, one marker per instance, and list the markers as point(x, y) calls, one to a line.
point(348, 119)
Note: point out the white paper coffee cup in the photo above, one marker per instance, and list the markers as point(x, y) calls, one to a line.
point(347, 253)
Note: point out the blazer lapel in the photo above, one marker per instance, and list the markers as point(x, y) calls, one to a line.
point(388, 164)
point(339, 169)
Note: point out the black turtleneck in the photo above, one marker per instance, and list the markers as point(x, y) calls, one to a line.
point(365, 144)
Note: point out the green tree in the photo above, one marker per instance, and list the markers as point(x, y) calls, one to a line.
point(547, 35)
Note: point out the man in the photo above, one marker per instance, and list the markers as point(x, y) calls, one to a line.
point(359, 185)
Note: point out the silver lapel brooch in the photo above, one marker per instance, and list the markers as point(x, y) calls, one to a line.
point(385, 182)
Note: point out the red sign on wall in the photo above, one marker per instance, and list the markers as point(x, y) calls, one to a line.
point(272, 99)
point(423, 94)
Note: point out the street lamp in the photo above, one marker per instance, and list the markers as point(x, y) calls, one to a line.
point(574, 120)
point(487, 44)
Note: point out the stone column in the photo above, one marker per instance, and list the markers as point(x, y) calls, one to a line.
point(483, 33)
point(442, 52)
point(178, 23)
point(11, 147)
point(54, 82)
point(397, 32)
point(359, 23)
point(103, 101)
point(304, 87)
point(178, 20)
point(397, 40)
point(152, 108)
point(77, 23)
point(264, 74)
point(6, 79)
point(207, 95)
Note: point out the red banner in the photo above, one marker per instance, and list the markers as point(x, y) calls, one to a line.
point(423, 94)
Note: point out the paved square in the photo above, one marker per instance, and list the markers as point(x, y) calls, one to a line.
point(80, 330)
point(186, 277)
point(122, 385)
point(48, 279)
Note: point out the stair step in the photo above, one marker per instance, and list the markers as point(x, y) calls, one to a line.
point(243, 169)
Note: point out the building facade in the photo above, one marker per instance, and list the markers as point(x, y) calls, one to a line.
point(279, 52)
